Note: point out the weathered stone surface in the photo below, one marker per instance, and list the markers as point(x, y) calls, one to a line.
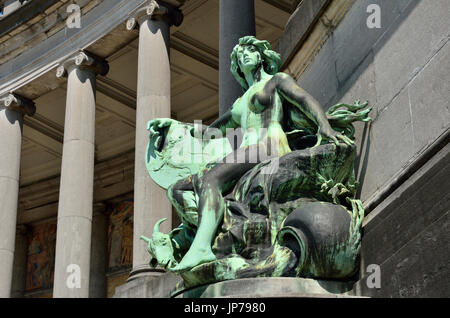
point(11, 140)
point(360, 86)
point(354, 40)
point(421, 209)
point(272, 287)
point(8, 212)
point(392, 134)
point(320, 79)
point(73, 246)
point(426, 29)
point(297, 27)
point(153, 101)
point(408, 189)
point(148, 287)
point(10, 145)
point(429, 98)
point(367, 169)
point(402, 70)
point(409, 236)
point(74, 199)
point(73, 241)
point(417, 269)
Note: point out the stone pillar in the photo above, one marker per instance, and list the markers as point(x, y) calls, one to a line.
point(20, 262)
point(237, 19)
point(12, 110)
point(153, 101)
point(99, 247)
point(73, 238)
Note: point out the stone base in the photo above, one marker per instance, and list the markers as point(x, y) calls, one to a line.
point(163, 286)
point(149, 286)
point(271, 287)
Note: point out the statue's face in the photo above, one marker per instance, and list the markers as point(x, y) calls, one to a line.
point(248, 57)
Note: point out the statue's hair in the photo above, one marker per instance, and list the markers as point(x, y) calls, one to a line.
point(270, 59)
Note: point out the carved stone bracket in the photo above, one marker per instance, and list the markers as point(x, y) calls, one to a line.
point(83, 60)
point(20, 104)
point(155, 10)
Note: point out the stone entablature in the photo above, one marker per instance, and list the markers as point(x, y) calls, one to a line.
point(42, 25)
point(60, 43)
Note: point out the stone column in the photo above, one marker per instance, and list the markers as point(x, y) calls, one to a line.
point(12, 110)
point(99, 247)
point(73, 238)
point(153, 101)
point(20, 262)
point(237, 19)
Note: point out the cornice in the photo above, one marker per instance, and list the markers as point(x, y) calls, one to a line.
point(52, 52)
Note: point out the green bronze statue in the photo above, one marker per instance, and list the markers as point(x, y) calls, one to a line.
point(280, 202)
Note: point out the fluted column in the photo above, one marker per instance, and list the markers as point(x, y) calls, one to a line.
point(12, 109)
point(153, 101)
point(73, 238)
point(237, 19)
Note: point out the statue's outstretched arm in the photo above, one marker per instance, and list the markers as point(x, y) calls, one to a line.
point(297, 96)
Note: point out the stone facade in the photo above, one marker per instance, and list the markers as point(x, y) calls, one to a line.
point(403, 158)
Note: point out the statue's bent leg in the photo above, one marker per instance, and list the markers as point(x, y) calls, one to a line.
point(177, 194)
point(210, 187)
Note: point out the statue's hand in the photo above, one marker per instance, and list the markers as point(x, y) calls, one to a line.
point(155, 126)
point(160, 247)
point(334, 136)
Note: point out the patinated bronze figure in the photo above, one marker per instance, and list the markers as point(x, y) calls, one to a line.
point(247, 212)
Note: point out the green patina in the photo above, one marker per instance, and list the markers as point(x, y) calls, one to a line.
point(290, 213)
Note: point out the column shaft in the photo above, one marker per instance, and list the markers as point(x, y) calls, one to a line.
point(153, 101)
point(73, 243)
point(237, 19)
point(10, 144)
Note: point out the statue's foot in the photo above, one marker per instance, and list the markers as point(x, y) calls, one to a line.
point(194, 258)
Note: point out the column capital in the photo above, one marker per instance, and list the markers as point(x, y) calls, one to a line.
point(156, 10)
point(83, 60)
point(19, 103)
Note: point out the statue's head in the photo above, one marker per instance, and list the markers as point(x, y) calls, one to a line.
point(253, 53)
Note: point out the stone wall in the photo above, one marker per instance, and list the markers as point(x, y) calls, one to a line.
point(402, 69)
